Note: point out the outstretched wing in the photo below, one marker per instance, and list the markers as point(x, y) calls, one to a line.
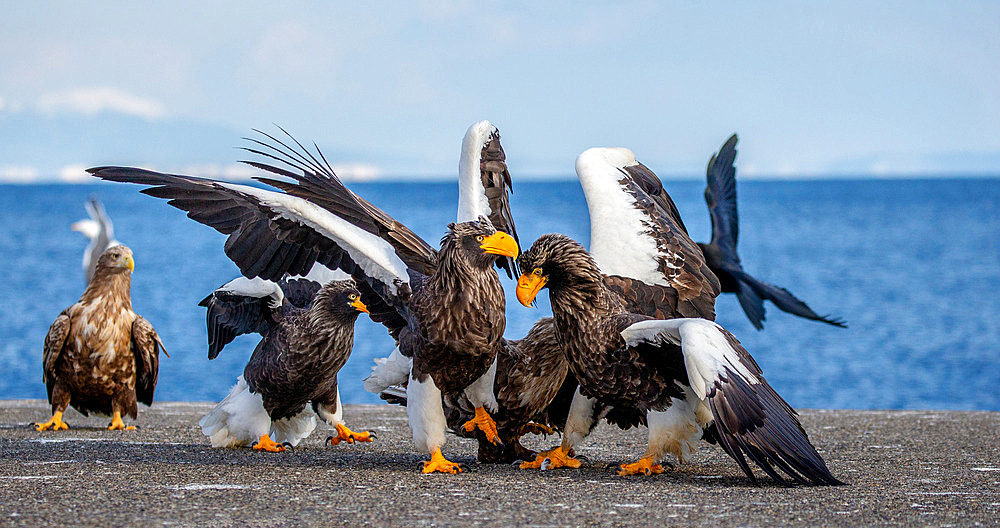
point(720, 195)
point(752, 293)
point(484, 184)
point(146, 347)
point(272, 233)
point(317, 183)
point(240, 306)
point(636, 236)
point(54, 341)
point(752, 420)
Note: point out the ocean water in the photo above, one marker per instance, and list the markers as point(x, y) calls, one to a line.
point(912, 265)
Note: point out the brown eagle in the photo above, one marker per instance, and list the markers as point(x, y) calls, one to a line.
point(676, 376)
point(99, 355)
point(445, 307)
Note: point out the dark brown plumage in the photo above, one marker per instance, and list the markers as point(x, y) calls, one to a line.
point(307, 337)
point(649, 374)
point(99, 355)
point(533, 389)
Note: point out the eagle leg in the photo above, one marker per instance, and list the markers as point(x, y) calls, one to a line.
point(484, 423)
point(55, 423)
point(346, 435)
point(266, 444)
point(117, 424)
point(644, 466)
point(553, 458)
point(438, 463)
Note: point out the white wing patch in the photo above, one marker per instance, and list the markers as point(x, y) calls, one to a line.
point(619, 239)
point(257, 288)
point(472, 200)
point(706, 351)
point(375, 256)
point(324, 275)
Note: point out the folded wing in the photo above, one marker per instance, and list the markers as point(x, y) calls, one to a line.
point(753, 421)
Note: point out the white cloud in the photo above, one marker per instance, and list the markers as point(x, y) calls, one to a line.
point(357, 171)
point(92, 101)
point(75, 174)
point(18, 174)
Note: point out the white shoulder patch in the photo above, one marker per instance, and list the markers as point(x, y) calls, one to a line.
point(472, 200)
point(619, 239)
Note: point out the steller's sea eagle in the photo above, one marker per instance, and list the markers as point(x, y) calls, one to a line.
point(676, 376)
point(307, 330)
point(99, 355)
point(445, 307)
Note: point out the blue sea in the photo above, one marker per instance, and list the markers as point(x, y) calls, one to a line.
point(912, 265)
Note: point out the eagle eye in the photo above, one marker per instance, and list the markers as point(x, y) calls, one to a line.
point(353, 296)
point(480, 238)
point(537, 271)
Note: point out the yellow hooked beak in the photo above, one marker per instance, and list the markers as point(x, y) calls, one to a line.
point(359, 306)
point(528, 286)
point(500, 243)
point(129, 263)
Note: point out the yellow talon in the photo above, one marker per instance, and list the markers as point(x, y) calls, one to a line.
point(485, 423)
point(346, 435)
point(438, 463)
point(117, 424)
point(266, 444)
point(55, 423)
point(552, 459)
point(644, 466)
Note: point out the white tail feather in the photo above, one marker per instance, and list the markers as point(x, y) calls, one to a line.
point(393, 370)
point(293, 430)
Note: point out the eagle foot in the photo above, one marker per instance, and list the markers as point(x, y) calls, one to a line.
point(117, 424)
point(266, 444)
point(484, 423)
point(552, 459)
point(55, 423)
point(439, 464)
point(346, 435)
point(536, 428)
point(644, 466)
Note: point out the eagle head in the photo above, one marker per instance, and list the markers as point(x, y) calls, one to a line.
point(480, 242)
point(116, 259)
point(554, 261)
point(342, 299)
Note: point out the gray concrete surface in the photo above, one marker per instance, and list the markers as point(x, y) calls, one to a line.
point(913, 468)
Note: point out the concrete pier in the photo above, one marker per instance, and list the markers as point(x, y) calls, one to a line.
point(913, 468)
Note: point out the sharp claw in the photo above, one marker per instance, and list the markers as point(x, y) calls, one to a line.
point(288, 445)
point(372, 434)
point(329, 441)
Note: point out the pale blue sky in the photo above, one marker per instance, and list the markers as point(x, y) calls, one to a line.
point(811, 87)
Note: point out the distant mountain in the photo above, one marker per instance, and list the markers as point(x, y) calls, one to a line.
point(43, 145)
